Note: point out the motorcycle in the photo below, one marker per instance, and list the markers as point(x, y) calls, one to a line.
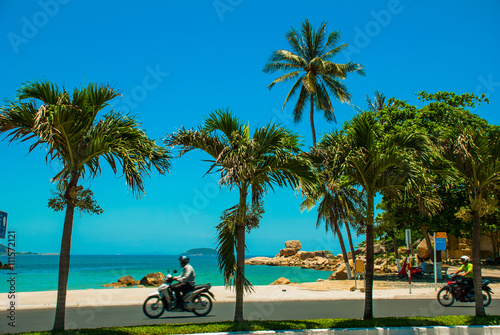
point(415, 272)
point(455, 289)
point(197, 301)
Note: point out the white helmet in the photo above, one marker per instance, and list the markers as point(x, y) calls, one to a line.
point(464, 259)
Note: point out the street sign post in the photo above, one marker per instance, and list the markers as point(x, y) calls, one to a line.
point(3, 224)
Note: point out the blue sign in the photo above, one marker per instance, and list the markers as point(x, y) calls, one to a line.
point(440, 244)
point(3, 224)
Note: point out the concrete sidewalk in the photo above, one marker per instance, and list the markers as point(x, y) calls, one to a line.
point(136, 296)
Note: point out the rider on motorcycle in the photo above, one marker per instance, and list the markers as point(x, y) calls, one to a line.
point(467, 268)
point(186, 281)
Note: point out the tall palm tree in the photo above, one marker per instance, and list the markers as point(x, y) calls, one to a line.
point(66, 123)
point(376, 163)
point(337, 199)
point(310, 65)
point(252, 164)
point(475, 156)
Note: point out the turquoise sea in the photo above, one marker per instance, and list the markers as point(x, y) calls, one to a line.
point(40, 272)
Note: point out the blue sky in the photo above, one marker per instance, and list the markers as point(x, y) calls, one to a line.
point(175, 61)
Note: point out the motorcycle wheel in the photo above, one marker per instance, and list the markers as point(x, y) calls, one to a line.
point(418, 275)
point(446, 297)
point(205, 301)
point(153, 307)
point(401, 276)
point(486, 298)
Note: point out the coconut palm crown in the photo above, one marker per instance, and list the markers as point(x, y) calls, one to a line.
point(252, 164)
point(67, 124)
point(309, 64)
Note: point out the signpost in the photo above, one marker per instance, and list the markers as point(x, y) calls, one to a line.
point(3, 224)
point(408, 245)
point(439, 245)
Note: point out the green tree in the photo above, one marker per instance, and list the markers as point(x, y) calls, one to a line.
point(310, 65)
point(66, 123)
point(475, 156)
point(377, 163)
point(442, 111)
point(252, 164)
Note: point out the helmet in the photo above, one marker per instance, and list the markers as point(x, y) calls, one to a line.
point(184, 259)
point(464, 259)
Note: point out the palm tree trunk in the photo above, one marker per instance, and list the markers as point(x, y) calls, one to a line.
point(349, 237)
point(64, 259)
point(428, 242)
point(311, 118)
point(240, 256)
point(369, 260)
point(476, 263)
point(342, 245)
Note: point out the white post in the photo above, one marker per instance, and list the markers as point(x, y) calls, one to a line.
point(435, 264)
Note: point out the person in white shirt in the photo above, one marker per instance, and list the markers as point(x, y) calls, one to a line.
point(186, 281)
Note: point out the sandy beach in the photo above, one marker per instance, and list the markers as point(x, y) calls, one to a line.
point(385, 287)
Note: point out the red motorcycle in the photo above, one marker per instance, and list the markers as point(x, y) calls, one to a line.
point(456, 289)
point(415, 272)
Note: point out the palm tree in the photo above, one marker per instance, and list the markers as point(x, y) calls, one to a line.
point(475, 156)
point(337, 199)
point(376, 163)
point(250, 164)
point(378, 102)
point(66, 123)
point(316, 75)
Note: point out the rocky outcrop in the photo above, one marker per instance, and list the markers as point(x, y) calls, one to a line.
point(7, 266)
point(281, 281)
point(153, 279)
point(295, 244)
point(128, 281)
point(322, 260)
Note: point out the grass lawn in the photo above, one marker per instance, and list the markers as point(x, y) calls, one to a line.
point(288, 325)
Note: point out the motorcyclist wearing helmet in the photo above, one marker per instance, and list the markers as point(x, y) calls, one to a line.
point(467, 268)
point(186, 281)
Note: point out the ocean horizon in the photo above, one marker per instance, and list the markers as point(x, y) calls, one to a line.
point(34, 273)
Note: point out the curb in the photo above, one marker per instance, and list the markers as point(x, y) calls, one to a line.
point(435, 330)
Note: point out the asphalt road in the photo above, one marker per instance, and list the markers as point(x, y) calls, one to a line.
point(96, 317)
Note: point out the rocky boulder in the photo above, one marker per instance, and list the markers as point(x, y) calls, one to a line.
point(293, 245)
point(422, 250)
point(288, 252)
point(378, 249)
point(7, 266)
point(153, 279)
point(127, 280)
point(306, 254)
point(258, 261)
point(320, 253)
point(281, 281)
point(339, 274)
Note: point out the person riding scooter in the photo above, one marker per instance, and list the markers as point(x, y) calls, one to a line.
point(186, 281)
point(467, 276)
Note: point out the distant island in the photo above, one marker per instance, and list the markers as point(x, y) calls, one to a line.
point(200, 252)
point(4, 251)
